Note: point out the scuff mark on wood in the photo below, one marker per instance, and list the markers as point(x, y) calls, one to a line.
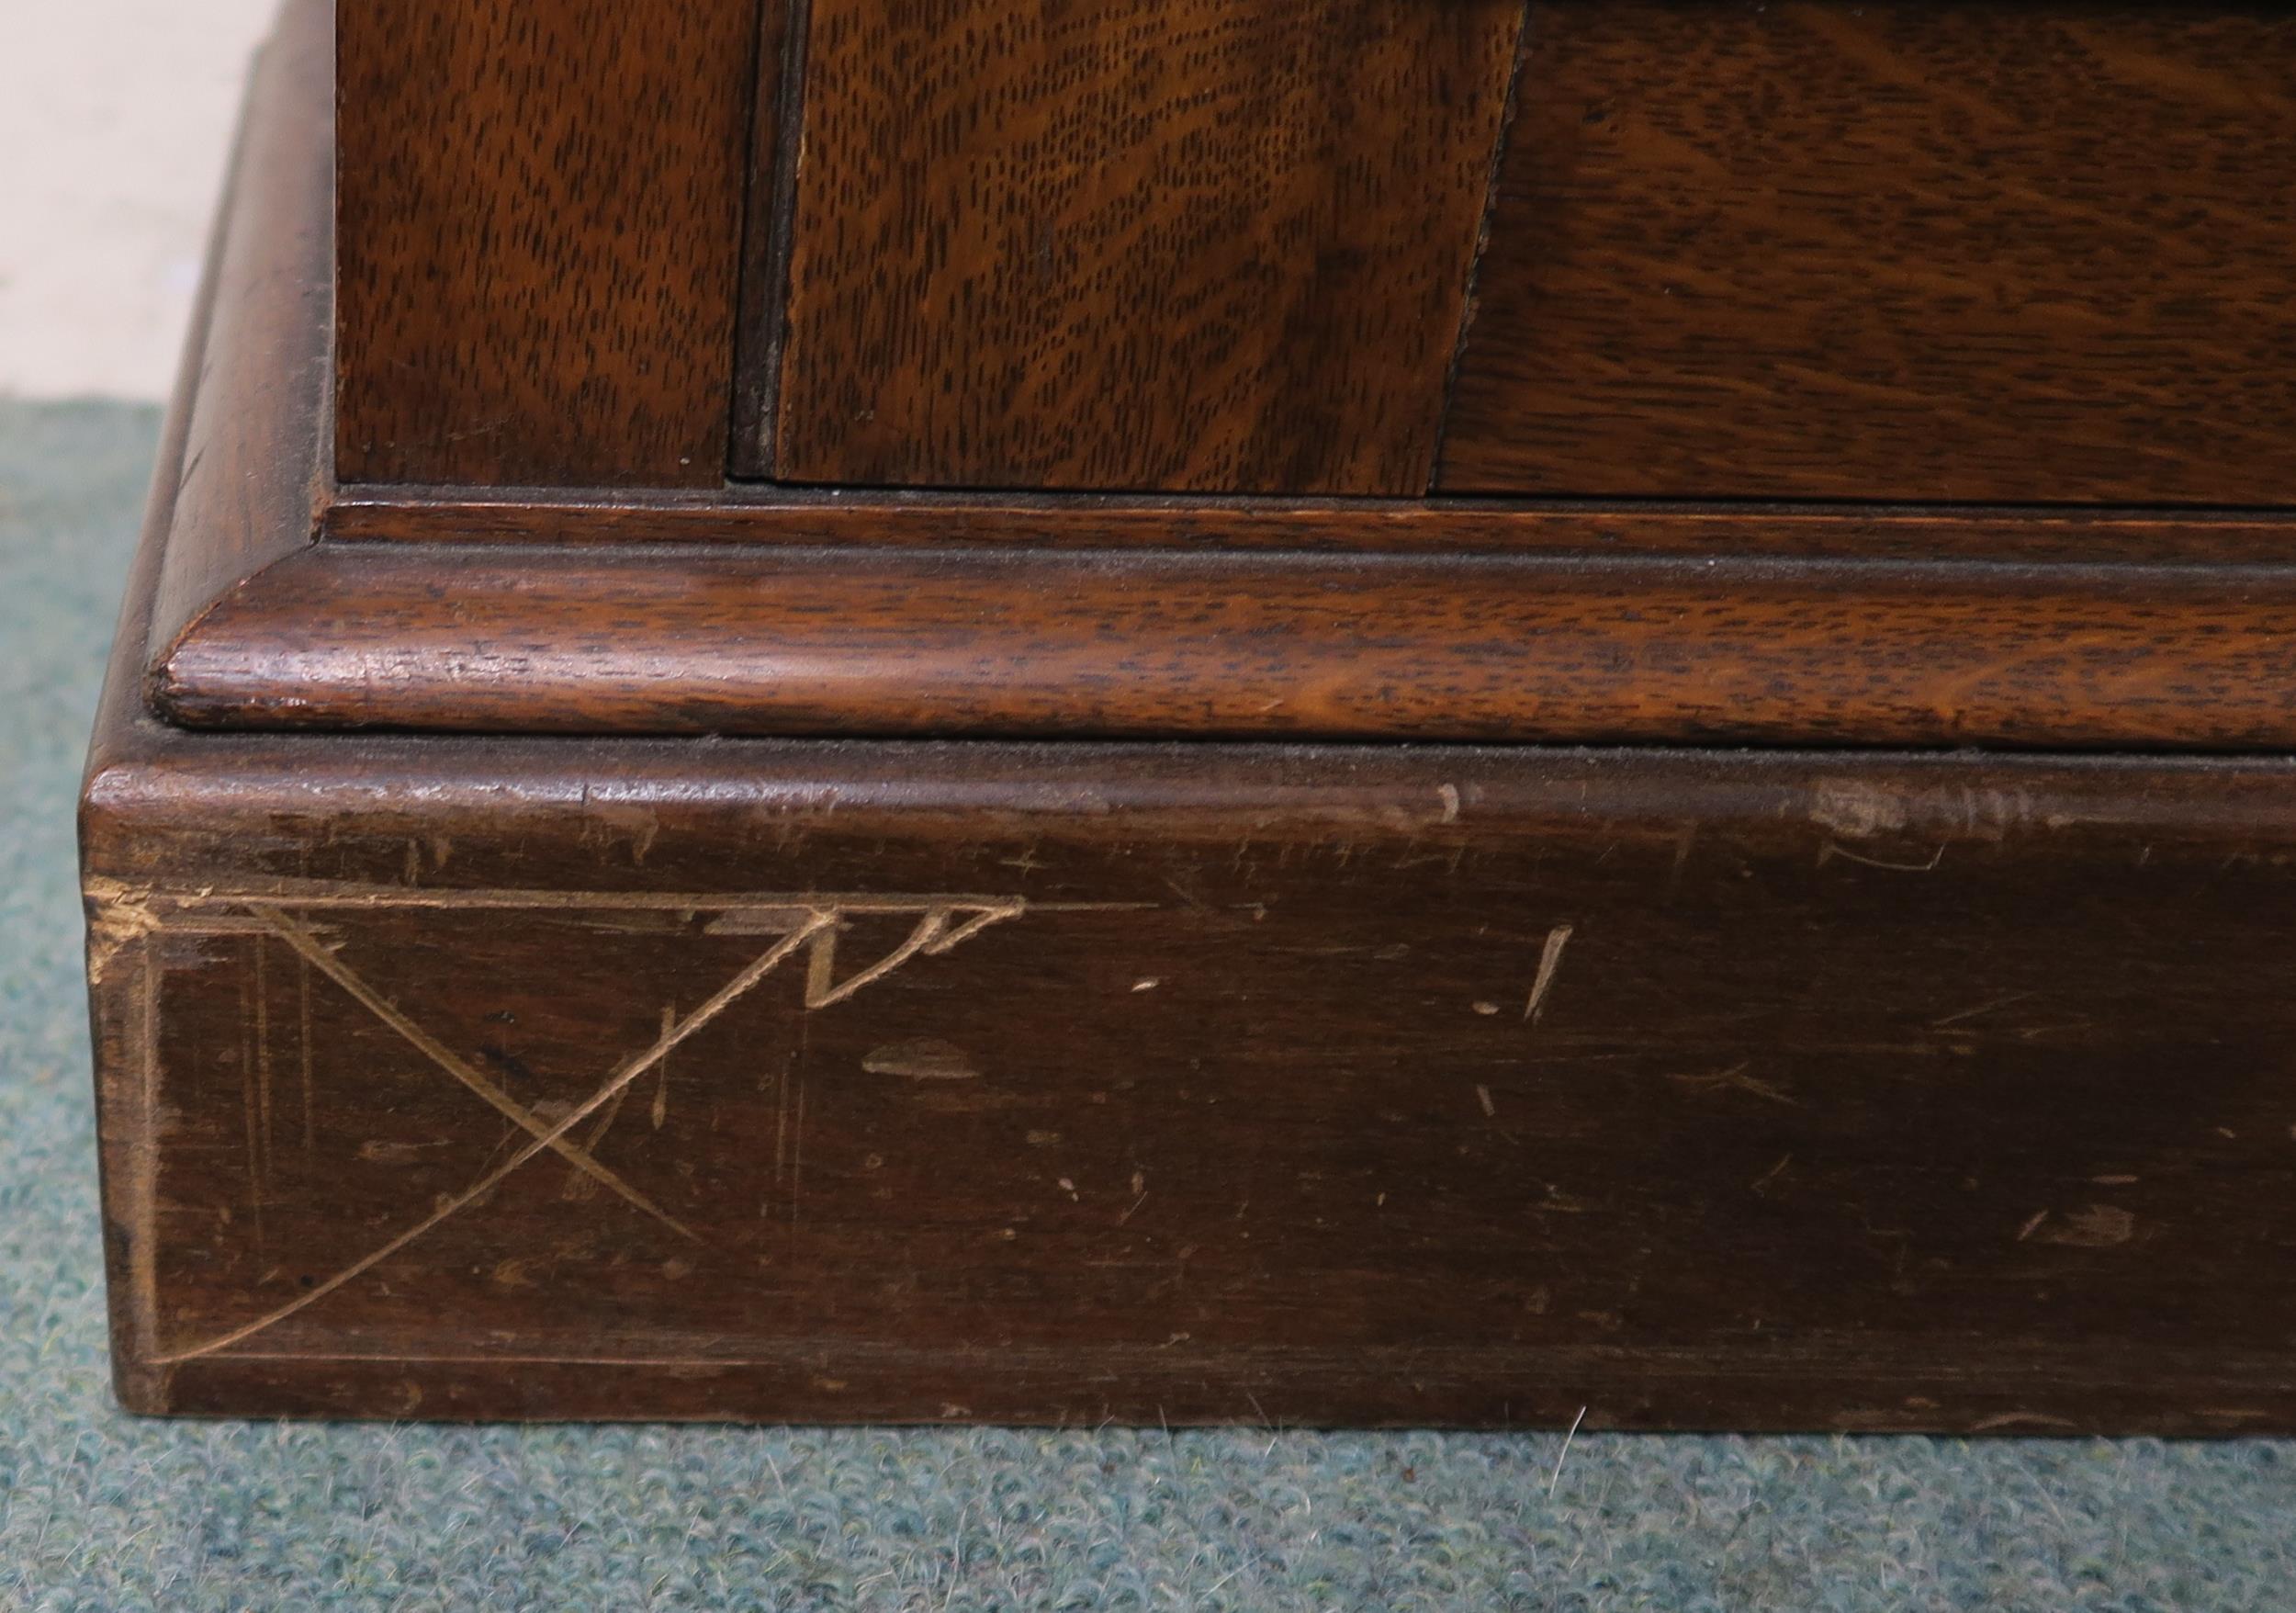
point(1982, 1008)
point(660, 1113)
point(2021, 1419)
point(1830, 850)
point(1735, 1078)
point(2093, 1226)
point(926, 1058)
point(376, 1152)
point(119, 915)
point(1550, 960)
point(1855, 809)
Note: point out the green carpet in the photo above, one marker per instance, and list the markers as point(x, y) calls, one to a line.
point(98, 1510)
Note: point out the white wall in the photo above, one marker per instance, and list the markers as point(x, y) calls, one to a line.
point(114, 118)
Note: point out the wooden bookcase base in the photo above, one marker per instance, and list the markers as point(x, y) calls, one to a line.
point(529, 1061)
point(1059, 1084)
point(539, 1078)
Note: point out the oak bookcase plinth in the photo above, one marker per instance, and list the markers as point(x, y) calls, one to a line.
point(622, 885)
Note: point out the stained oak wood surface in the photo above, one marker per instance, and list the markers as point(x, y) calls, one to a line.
point(455, 1077)
point(1153, 645)
point(539, 226)
point(1891, 251)
point(572, 611)
point(1123, 243)
point(947, 1082)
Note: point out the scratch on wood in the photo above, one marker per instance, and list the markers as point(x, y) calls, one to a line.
point(307, 946)
point(988, 914)
point(1550, 960)
point(1832, 849)
point(1482, 1096)
point(376, 1152)
point(580, 1185)
point(638, 822)
point(144, 1165)
point(263, 1050)
point(628, 1071)
point(1684, 839)
point(2094, 1226)
point(798, 1157)
point(303, 986)
point(759, 922)
point(780, 1131)
point(1195, 902)
point(819, 991)
point(2021, 1419)
point(821, 963)
point(660, 1113)
point(292, 893)
point(1735, 1078)
point(125, 915)
point(250, 1121)
point(1982, 1008)
point(925, 1058)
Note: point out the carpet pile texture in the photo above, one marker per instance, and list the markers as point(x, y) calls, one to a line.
point(99, 1510)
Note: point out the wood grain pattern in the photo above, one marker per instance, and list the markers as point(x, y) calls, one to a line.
point(1187, 243)
point(539, 231)
point(1204, 1083)
point(1152, 644)
point(1893, 249)
point(862, 518)
point(448, 1075)
point(841, 615)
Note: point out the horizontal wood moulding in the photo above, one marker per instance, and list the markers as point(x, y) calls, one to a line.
point(1148, 645)
point(753, 514)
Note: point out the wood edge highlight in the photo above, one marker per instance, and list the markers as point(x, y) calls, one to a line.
point(254, 396)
